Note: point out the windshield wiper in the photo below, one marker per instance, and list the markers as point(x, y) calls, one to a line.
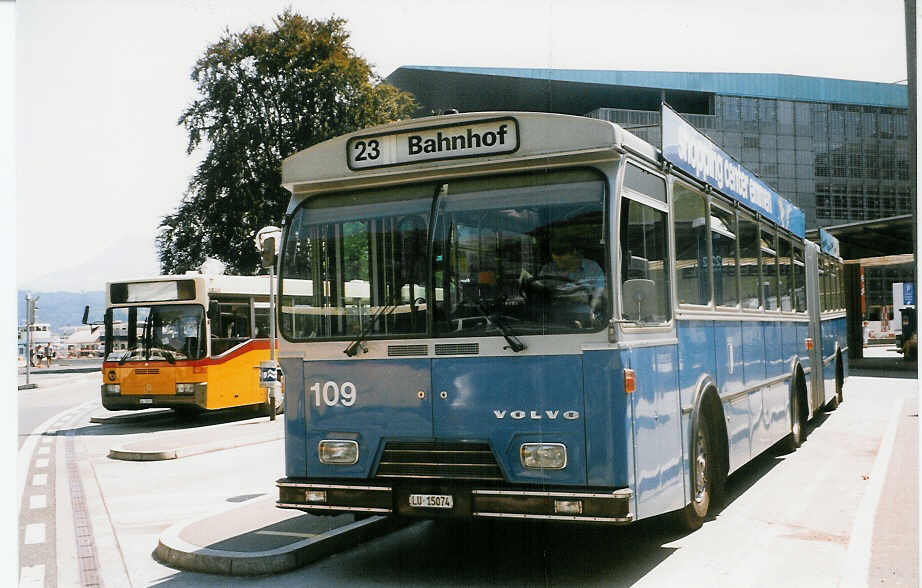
point(497, 319)
point(359, 341)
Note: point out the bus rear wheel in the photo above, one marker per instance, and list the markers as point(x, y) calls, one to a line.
point(798, 433)
point(704, 477)
point(840, 379)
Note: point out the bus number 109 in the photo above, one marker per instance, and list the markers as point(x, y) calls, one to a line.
point(332, 393)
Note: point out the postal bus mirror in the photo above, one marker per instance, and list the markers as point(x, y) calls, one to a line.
point(86, 314)
point(638, 303)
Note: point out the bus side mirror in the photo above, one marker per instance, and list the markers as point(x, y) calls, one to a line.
point(86, 314)
point(639, 297)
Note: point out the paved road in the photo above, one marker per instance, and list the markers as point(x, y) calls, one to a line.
point(823, 516)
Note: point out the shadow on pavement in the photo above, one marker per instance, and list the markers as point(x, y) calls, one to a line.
point(163, 421)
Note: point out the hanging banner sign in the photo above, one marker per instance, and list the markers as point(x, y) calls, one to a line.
point(829, 244)
point(691, 151)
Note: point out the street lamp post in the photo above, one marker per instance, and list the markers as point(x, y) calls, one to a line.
point(267, 243)
point(30, 320)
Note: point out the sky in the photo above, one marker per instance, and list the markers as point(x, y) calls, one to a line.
point(97, 158)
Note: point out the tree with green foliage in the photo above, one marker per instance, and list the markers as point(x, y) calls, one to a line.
point(265, 94)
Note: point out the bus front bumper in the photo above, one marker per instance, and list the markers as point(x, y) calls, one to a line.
point(466, 502)
point(141, 401)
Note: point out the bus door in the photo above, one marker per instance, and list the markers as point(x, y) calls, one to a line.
point(815, 362)
point(143, 367)
point(660, 458)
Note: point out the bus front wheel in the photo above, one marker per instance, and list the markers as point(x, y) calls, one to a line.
point(704, 476)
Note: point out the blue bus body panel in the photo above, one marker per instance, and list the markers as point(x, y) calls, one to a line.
point(295, 425)
point(608, 419)
point(658, 449)
point(729, 352)
point(696, 349)
point(833, 331)
point(513, 400)
point(775, 396)
point(387, 405)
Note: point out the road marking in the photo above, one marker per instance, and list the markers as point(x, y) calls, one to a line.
point(286, 534)
point(858, 558)
point(41, 463)
point(39, 479)
point(37, 435)
point(35, 533)
point(38, 501)
point(31, 576)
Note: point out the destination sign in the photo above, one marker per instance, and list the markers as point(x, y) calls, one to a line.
point(693, 152)
point(469, 139)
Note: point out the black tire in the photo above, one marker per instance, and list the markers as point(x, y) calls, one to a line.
point(840, 380)
point(704, 477)
point(798, 433)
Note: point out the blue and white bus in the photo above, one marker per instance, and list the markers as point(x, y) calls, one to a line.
point(538, 316)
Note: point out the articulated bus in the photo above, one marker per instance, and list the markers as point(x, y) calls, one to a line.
point(191, 343)
point(539, 316)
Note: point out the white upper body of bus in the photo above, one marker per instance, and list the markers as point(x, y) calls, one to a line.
point(189, 288)
point(417, 149)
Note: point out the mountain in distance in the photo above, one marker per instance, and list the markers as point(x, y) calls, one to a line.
point(62, 309)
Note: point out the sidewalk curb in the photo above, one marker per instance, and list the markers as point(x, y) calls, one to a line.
point(63, 370)
point(175, 552)
point(126, 454)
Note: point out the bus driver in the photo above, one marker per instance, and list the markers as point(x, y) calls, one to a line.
point(570, 279)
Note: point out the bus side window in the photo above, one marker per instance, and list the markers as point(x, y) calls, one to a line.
point(644, 269)
point(262, 322)
point(786, 273)
point(723, 253)
point(749, 262)
point(800, 279)
point(769, 255)
point(689, 219)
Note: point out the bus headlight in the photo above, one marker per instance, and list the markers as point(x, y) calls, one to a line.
point(544, 456)
point(190, 388)
point(112, 389)
point(185, 389)
point(338, 452)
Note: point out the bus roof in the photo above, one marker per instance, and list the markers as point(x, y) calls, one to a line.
point(527, 136)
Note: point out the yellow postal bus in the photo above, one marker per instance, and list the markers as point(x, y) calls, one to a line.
point(191, 343)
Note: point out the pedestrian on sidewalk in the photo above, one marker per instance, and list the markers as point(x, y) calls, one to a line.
point(38, 355)
point(49, 354)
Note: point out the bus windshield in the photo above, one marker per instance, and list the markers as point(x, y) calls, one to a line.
point(523, 254)
point(155, 333)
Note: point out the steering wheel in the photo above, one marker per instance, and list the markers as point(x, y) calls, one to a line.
point(539, 282)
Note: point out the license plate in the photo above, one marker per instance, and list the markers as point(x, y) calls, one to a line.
point(146, 401)
point(431, 501)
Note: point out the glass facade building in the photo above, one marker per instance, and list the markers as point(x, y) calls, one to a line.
point(838, 163)
point(838, 149)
